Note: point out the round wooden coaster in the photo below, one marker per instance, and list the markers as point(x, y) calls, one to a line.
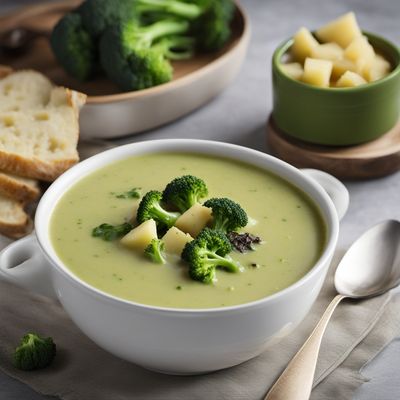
point(370, 160)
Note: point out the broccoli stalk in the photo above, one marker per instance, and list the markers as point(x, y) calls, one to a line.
point(184, 192)
point(175, 47)
point(227, 215)
point(73, 47)
point(98, 15)
point(210, 19)
point(173, 7)
point(150, 208)
point(155, 251)
point(132, 58)
point(207, 252)
point(34, 352)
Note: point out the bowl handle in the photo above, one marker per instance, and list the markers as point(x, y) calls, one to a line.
point(333, 187)
point(22, 263)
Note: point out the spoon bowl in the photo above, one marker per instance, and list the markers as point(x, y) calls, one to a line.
point(370, 267)
point(372, 264)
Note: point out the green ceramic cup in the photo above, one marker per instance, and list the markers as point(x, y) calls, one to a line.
point(337, 116)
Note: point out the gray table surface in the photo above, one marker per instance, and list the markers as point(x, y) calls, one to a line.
point(238, 116)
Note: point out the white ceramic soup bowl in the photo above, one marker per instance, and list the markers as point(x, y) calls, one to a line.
point(175, 341)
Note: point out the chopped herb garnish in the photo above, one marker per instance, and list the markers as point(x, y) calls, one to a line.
point(243, 241)
point(254, 265)
point(178, 288)
point(130, 194)
point(111, 232)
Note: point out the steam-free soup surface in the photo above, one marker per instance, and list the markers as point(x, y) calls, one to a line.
point(288, 222)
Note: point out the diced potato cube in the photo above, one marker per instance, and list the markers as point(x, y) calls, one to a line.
point(141, 236)
point(362, 53)
point(303, 43)
point(194, 219)
point(342, 30)
point(350, 79)
point(339, 67)
point(327, 51)
point(317, 72)
point(294, 70)
point(379, 69)
point(175, 240)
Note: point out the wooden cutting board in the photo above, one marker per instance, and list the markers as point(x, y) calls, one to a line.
point(370, 160)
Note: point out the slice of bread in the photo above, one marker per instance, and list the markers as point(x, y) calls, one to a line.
point(18, 188)
point(14, 221)
point(39, 126)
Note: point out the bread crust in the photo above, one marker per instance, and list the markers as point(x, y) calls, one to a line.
point(18, 190)
point(16, 231)
point(17, 226)
point(34, 167)
point(5, 71)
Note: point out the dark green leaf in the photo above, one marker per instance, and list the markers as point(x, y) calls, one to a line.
point(111, 232)
point(130, 194)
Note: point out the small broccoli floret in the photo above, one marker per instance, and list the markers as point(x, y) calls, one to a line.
point(155, 251)
point(212, 28)
point(132, 57)
point(73, 47)
point(227, 215)
point(150, 208)
point(185, 191)
point(97, 15)
point(207, 252)
point(34, 352)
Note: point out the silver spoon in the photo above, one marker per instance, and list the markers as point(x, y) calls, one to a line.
point(370, 267)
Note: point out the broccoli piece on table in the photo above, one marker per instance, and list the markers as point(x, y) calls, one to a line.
point(227, 215)
point(207, 252)
point(155, 251)
point(111, 232)
point(136, 57)
point(185, 191)
point(34, 352)
point(73, 47)
point(150, 208)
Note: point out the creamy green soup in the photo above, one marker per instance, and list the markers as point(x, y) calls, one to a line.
point(287, 221)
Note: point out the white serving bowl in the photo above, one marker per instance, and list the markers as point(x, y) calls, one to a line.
point(175, 341)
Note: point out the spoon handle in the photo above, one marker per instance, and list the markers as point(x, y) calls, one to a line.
point(295, 383)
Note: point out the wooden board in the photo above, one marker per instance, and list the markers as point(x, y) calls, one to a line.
point(370, 160)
